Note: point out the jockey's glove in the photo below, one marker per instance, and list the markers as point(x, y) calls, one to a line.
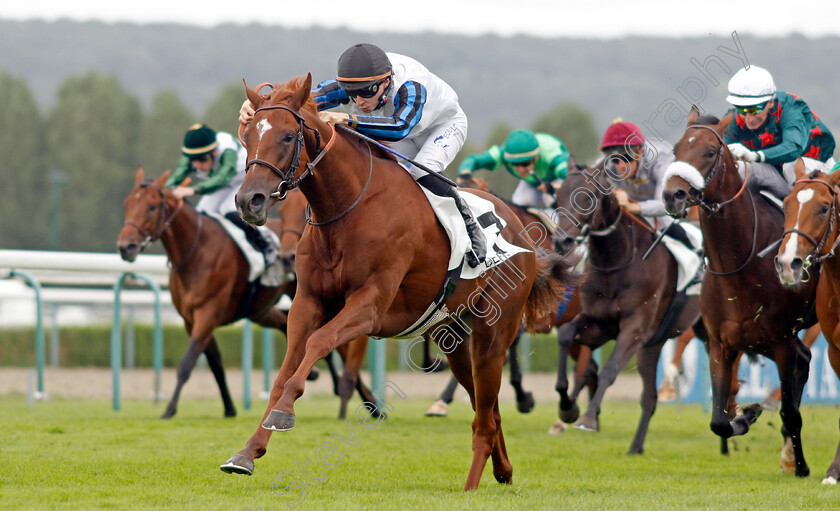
point(464, 173)
point(742, 152)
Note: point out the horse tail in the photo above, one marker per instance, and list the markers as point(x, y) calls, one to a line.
point(553, 280)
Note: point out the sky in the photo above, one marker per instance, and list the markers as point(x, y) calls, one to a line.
point(602, 19)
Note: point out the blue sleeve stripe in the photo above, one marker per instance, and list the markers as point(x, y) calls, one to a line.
point(408, 110)
point(328, 95)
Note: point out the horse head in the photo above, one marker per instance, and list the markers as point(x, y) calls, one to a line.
point(279, 142)
point(810, 234)
point(702, 168)
point(584, 202)
point(148, 210)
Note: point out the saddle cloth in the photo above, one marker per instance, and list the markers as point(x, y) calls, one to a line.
point(688, 262)
point(499, 250)
point(272, 276)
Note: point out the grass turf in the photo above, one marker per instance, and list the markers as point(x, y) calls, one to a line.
point(82, 455)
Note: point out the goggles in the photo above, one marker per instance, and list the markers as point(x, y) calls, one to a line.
point(752, 109)
point(366, 92)
point(200, 157)
point(525, 163)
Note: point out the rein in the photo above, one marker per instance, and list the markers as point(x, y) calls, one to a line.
point(816, 256)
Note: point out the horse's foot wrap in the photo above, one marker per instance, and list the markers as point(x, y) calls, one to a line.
point(238, 464)
point(279, 421)
point(438, 409)
point(571, 415)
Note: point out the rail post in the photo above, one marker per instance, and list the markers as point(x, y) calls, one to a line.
point(40, 348)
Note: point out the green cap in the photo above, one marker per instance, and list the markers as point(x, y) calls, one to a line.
point(521, 145)
point(199, 140)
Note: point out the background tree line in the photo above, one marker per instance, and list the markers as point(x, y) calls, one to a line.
point(66, 172)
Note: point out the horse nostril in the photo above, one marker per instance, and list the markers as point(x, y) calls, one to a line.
point(680, 195)
point(777, 264)
point(257, 200)
point(796, 264)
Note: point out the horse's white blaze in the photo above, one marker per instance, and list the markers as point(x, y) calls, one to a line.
point(802, 197)
point(262, 127)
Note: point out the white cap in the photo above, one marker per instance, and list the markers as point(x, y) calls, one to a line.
point(750, 86)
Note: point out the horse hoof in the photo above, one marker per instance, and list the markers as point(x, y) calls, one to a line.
point(374, 410)
point(557, 428)
point(238, 464)
point(167, 414)
point(829, 480)
point(571, 415)
point(752, 412)
point(587, 424)
point(279, 421)
point(313, 375)
point(803, 472)
point(526, 404)
point(666, 393)
point(230, 413)
point(438, 409)
point(770, 404)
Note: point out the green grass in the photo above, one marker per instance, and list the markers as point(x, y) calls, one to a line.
point(82, 455)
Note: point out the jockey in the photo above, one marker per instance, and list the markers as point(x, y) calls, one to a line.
point(635, 167)
point(538, 160)
point(772, 129)
point(215, 164)
point(394, 98)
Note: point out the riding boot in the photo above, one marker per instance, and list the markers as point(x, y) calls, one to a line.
point(255, 238)
point(478, 244)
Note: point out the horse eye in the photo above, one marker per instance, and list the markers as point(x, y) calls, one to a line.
point(152, 208)
point(711, 153)
point(824, 209)
point(288, 138)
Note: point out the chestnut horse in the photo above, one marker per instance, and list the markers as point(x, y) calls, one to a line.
point(373, 261)
point(208, 279)
point(744, 307)
point(624, 296)
point(811, 237)
point(292, 216)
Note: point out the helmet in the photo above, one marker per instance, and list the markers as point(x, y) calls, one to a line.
point(622, 134)
point(751, 86)
point(199, 140)
point(521, 145)
point(362, 65)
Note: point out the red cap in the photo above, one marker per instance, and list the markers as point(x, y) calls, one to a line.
point(622, 134)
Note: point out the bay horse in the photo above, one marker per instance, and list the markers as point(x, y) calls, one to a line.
point(373, 261)
point(811, 237)
point(208, 278)
point(623, 297)
point(744, 307)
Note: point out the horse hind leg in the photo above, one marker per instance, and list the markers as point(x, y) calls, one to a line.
point(214, 360)
point(198, 344)
point(524, 399)
point(647, 358)
point(568, 411)
point(793, 373)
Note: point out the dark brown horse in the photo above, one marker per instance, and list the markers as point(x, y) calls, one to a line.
point(624, 296)
point(745, 308)
point(208, 280)
point(811, 237)
point(374, 260)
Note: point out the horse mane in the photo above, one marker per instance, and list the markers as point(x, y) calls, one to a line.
point(283, 91)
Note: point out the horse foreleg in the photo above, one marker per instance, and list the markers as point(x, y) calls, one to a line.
point(832, 475)
point(771, 402)
point(626, 345)
point(351, 379)
point(667, 389)
point(298, 332)
point(721, 362)
point(568, 410)
point(647, 357)
point(201, 333)
point(793, 366)
point(214, 360)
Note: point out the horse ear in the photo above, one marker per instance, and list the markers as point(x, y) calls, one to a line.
point(253, 96)
point(303, 92)
point(161, 181)
point(726, 121)
point(140, 176)
point(799, 169)
point(693, 114)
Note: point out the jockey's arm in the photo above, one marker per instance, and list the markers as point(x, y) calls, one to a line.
point(226, 171)
point(490, 159)
point(182, 169)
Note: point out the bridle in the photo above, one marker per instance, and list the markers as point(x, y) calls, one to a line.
point(719, 162)
point(165, 217)
point(816, 256)
point(714, 207)
point(288, 181)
